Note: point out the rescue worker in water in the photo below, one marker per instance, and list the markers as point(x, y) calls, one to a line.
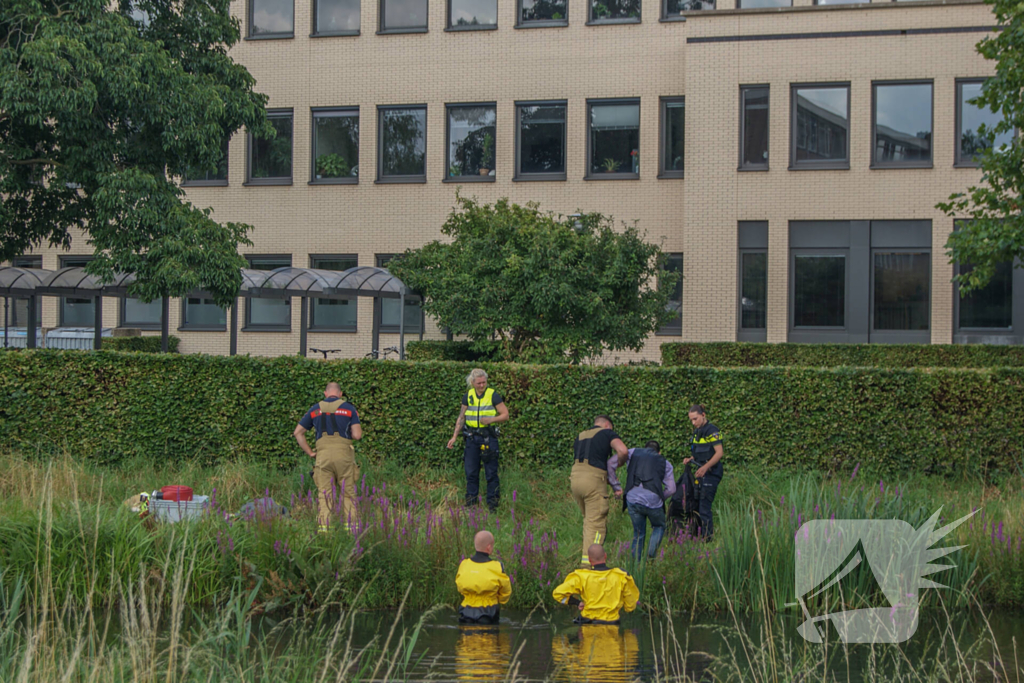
point(483, 584)
point(599, 591)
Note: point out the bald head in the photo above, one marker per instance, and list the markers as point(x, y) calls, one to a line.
point(603, 422)
point(483, 542)
point(333, 389)
point(596, 555)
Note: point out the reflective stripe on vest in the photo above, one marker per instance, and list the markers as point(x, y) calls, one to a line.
point(477, 407)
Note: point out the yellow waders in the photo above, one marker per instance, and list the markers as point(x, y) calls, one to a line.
point(335, 474)
point(590, 491)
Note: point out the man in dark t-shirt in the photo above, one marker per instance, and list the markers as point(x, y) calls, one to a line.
point(589, 478)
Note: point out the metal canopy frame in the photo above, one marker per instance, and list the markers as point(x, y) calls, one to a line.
point(282, 283)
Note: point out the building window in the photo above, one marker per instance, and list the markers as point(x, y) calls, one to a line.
point(902, 125)
point(543, 13)
point(472, 14)
point(75, 312)
point(471, 131)
point(271, 18)
point(273, 315)
point(754, 290)
point(335, 146)
point(613, 139)
point(819, 286)
point(143, 316)
point(902, 291)
point(270, 160)
point(970, 144)
point(752, 4)
point(336, 17)
point(673, 127)
point(991, 307)
point(18, 308)
point(614, 11)
point(674, 264)
point(200, 313)
point(820, 134)
point(839, 2)
point(210, 176)
point(403, 16)
point(402, 144)
point(391, 308)
point(333, 315)
point(674, 8)
point(754, 128)
point(540, 140)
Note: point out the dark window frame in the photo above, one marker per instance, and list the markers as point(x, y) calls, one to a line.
point(456, 28)
point(879, 336)
point(311, 325)
point(663, 103)
point(448, 178)
point(193, 327)
point(600, 102)
point(665, 17)
point(281, 180)
point(265, 36)
point(185, 182)
point(874, 122)
point(313, 111)
point(541, 23)
point(743, 166)
point(400, 179)
point(248, 326)
point(675, 329)
point(518, 175)
point(383, 31)
point(380, 261)
point(122, 303)
point(796, 252)
point(313, 33)
point(62, 262)
point(1012, 334)
point(958, 160)
point(827, 165)
point(36, 264)
point(739, 5)
point(591, 21)
point(758, 334)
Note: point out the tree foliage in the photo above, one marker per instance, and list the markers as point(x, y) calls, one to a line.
point(542, 288)
point(101, 107)
point(994, 230)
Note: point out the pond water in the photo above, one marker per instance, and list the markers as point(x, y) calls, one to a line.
point(551, 647)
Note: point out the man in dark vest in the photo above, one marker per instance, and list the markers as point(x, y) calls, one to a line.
point(595, 450)
point(649, 483)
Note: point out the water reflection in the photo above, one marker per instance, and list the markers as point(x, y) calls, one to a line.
point(483, 653)
point(596, 652)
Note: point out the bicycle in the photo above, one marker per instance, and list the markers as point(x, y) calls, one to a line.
point(325, 351)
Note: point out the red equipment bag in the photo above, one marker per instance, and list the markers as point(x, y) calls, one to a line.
point(179, 493)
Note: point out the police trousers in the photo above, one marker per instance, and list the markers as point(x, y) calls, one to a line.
point(590, 491)
point(481, 452)
point(708, 489)
point(336, 476)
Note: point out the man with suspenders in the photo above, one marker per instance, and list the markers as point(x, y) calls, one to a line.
point(337, 426)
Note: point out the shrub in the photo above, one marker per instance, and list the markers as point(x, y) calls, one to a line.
point(442, 350)
point(740, 354)
point(143, 344)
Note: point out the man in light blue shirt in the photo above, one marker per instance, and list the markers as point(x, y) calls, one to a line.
point(649, 483)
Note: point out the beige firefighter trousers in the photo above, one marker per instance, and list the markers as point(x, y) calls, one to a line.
point(590, 491)
point(336, 474)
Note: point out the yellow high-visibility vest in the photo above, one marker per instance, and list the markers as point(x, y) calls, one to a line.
point(477, 407)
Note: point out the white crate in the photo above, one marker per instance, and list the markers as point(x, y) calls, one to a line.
point(176, 510)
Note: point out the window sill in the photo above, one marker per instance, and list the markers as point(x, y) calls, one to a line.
point(388, 330)
point(401, 180)
point(267, 181)
point(675, 17)
point(670, 175)
point(460, 29)
point(204, 183)
point(267, 328)
point(823, 167)
point(398, 31)
point(752, 169)
point(202, 328)
point(882, 167)
point(149, 327)
point(272, 36)
point(470, 179)
point(539, 178)
point(963, 165)
point(332, 330)
point(552, 23)
point(613, 176)
point(334, 181)
point(677, 332)
point(335, 34)
point(613, 22)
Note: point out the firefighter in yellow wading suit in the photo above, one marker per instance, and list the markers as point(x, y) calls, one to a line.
point(589, 478)
point(483, 584)
point(337, 426)
point(600, 591)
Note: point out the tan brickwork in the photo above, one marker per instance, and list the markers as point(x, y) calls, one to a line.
point(697, 215)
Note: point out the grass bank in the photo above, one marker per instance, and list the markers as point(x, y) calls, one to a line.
point(413, 532)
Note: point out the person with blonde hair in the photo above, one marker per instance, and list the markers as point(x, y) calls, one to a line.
point(482, 409)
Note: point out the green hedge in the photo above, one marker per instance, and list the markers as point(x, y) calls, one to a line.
point(110, 406)
point(442, 350)
point(143, 344)
point(744, 354)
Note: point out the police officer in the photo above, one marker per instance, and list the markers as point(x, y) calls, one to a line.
point(482, 409)
point(589, 478)
point(337, 426)
point(706, 451)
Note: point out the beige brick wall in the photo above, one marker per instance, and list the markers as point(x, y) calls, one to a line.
point(696, 215)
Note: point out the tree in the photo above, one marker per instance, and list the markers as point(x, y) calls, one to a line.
point(544, 287)
point(994, 230)
point(101, 107)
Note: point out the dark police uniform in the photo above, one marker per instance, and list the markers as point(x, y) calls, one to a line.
point(481, 447)
point(702, 448)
